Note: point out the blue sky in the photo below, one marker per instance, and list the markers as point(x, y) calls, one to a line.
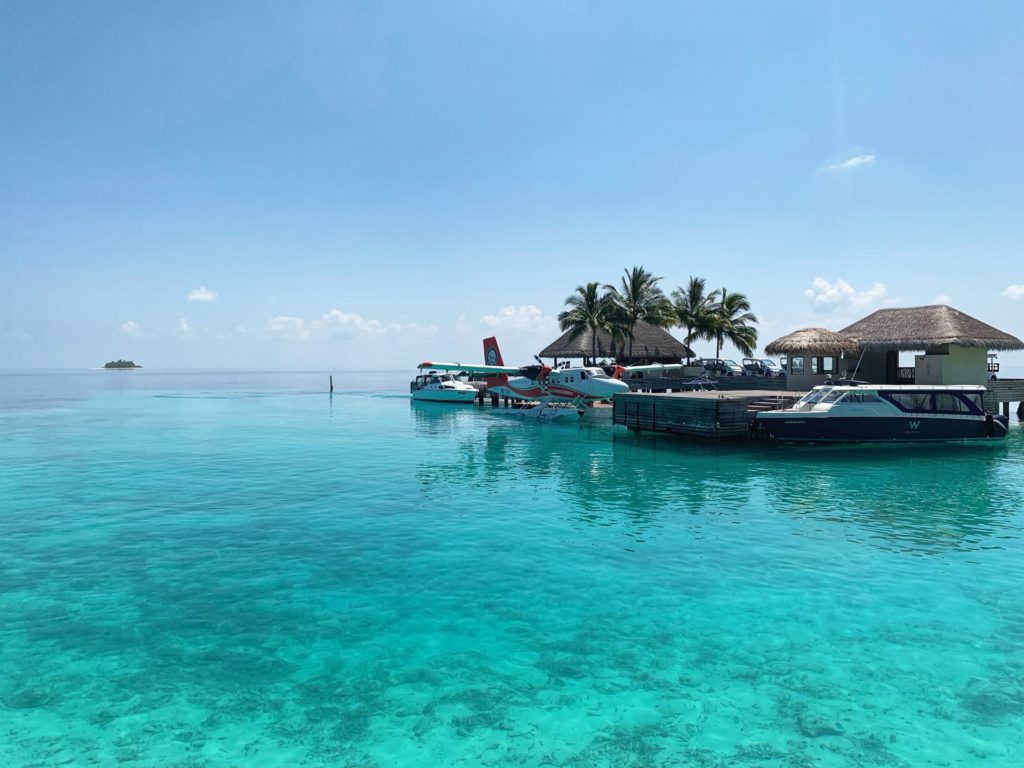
point(330, 185)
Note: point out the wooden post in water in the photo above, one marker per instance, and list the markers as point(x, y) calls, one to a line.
point(1020, 410)
point(1006, 410)
point(332, 385)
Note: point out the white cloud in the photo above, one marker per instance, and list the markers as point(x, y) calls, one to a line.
point(1014, 292)
point(348, 324)
point(943, 298)
point(339, 325)
point(130, 328)
point(284, 327)
point(202, 293)
point(183, 330)
point(854, 162)
point(525, 318)
point(12, 332)
point(460, 324)
point(826, 295)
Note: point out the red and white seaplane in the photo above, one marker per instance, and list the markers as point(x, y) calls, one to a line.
point(557, 392)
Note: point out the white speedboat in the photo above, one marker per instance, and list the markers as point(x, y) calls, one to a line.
point(863, 413)
point(441, 388)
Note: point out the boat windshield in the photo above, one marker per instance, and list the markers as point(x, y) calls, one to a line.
point(833, 396)
point(814, 396)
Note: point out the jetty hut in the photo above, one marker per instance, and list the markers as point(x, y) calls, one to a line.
point(814, 355)
point(955, 345)
point(650, 345)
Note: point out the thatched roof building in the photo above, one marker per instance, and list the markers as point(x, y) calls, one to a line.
point(914, 328)
point(650, 343)
point(813, 341)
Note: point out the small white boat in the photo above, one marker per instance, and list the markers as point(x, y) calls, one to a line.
point(867, 413)
point(437, 387)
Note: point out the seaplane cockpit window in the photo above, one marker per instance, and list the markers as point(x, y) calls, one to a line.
point(583, 375)
point(597, 373)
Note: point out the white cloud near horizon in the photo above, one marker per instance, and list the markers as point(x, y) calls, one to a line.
point(840, 294)
point(202, 293)
point(854, 162)
point(943, 298)
point(339, 325)
point(130, 328)
point(1014, 292)
point(289, 328)
point(12, 332)
point(527, 318)
point(183, 329)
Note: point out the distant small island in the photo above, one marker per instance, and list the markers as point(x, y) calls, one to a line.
point(121, 364)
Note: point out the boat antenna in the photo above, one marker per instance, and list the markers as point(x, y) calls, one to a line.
point(857, 368)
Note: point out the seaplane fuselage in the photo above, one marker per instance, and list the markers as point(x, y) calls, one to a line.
point(567, 384)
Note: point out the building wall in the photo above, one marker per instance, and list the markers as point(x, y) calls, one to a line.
point(872, 367)
point(796, 382)
point(952, 365)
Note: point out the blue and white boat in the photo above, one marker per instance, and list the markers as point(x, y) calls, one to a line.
point(855, 413)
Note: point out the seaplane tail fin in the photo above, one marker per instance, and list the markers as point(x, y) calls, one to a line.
point(617, 373)
point(492, 355)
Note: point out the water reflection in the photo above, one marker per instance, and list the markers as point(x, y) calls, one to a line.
point(927, 498)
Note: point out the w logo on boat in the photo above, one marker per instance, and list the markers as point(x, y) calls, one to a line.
point(915, 424)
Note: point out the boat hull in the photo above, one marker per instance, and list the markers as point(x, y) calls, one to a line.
point(444, 395)
point(806, 428)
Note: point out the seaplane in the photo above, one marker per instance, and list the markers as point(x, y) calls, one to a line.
point(556, 392)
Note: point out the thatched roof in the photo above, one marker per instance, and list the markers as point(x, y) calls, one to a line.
point(913, 328)
point(649, 343)
point(816, 341)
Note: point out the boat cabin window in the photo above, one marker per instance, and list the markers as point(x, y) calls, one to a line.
point(833, 396)
point(974, 400)
point(796, 366)
point(947, 402)
point(823, 365)
point(858, 398)
point(916, 402)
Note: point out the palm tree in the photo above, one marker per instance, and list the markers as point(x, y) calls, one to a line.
point(732, 320)
point(693, 309)
point(589, 311)
point(639, 298)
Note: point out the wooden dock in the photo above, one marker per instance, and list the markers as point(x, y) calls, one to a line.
point(999, 394)
point(708, 415)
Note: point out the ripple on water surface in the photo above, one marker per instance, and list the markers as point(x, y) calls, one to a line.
point(298, 580)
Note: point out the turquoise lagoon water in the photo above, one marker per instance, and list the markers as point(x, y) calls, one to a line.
point(238, 570)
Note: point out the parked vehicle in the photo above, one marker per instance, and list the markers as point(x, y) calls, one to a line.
point(753, 366)
point(720, 367)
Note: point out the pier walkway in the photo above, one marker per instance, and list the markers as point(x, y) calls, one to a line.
point(707, 415)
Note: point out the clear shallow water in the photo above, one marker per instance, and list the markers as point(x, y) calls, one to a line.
point(237, 570)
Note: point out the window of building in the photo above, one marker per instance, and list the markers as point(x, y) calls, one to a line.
point(823, 365)
point(796, 365)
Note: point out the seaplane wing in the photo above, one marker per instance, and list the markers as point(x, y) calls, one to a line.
point(468, 368)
